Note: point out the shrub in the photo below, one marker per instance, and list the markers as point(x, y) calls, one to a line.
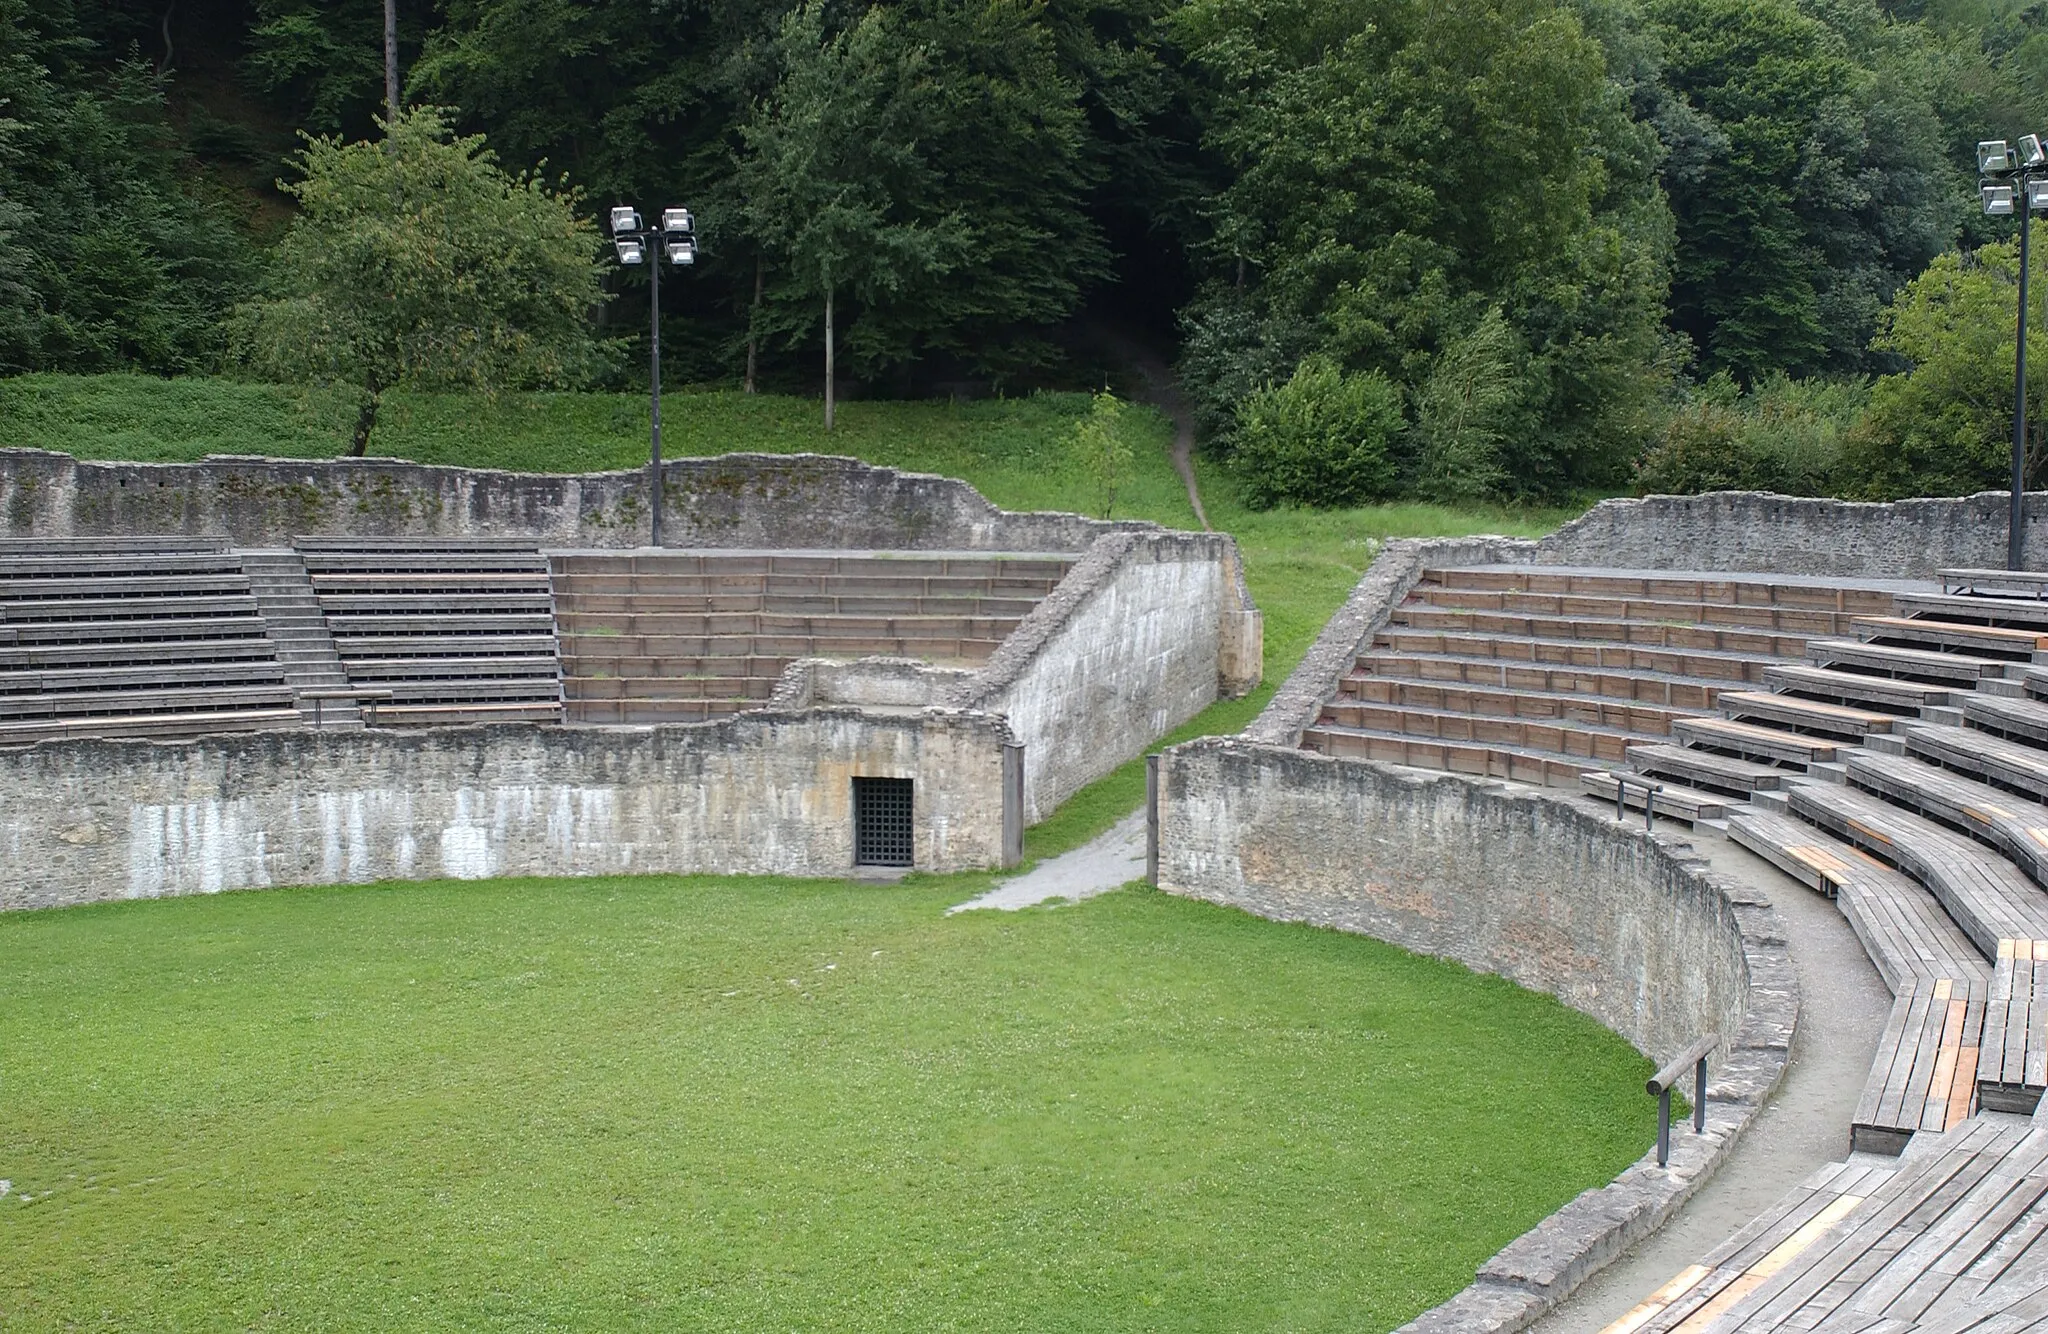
point(1784, 435)
point(1320, 439)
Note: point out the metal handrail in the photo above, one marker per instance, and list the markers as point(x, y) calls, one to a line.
point(1661, 1083)
point(1650, 791)
point(358, 695)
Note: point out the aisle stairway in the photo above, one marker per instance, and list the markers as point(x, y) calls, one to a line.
point(686, 636)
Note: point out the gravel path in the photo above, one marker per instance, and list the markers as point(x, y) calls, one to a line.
point(1110, 861)
point(1843, 1007)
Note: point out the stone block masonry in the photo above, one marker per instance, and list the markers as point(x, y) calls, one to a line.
point(1624, 926)
point(765, 793)
point(1145, 632)
point(763, 501)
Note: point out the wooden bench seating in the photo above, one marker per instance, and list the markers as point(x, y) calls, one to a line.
point(147, 637)
point(457, 631)
point(2012, 825)
point(2022, 613)
point(1650, 634)
point(1989, 898)
point(1764, 745)
point(1706, 770)
point(1486, 761)
point(2012, 1070)
point(1673, 692)
point(1983, 641)
point(1721, 667)
point(2024, 720)
point(1760, 590)
point(1998, 761)
point(1857, 689)
point(1958, 669)
point(1594, 710)
point(1816, 717)
point(1569, 738)
point(1800, 622)
point(1670, 799)
point(1940, 1244)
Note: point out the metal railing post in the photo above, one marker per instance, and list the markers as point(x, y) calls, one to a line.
point(1661, 1083)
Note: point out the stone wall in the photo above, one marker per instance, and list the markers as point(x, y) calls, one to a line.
point(867, 683)
point(765, 793)
point(1624, 926)
point(1145, 632)
point(735, 500)
point(1764, 533)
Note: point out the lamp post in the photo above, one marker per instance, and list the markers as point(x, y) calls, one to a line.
point(2015, 181)
point(676, 241)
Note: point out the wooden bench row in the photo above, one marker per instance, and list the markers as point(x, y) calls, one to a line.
point(1760, 591)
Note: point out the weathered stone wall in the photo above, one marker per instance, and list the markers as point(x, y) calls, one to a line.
point(1765, 533)
point(735, 500)
point(763, 793)
point(1622, 925)
point(1129, 646)
point(868, 683)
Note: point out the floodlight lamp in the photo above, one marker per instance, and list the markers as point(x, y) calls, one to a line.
point(625, 219)
point(632, 252)
point(682, 252)
point(1998, 200)
point(1993, 156)
point(2037, 195)
point(677, 220)
point(2032, 152)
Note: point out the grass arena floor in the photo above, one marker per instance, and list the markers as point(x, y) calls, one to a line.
point(739, 1104)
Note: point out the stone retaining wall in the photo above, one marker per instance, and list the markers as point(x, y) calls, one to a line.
point(1624, 926)
point(735, 500)
point(1760, 532)
point(764, 793)
point(1146, 631)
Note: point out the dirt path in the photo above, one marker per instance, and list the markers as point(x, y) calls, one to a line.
point(1162, 391)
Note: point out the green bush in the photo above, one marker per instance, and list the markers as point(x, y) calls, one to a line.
point(1784, 435)
point(1321, 439)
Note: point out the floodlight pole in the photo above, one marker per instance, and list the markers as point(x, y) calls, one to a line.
point(2015, 522)
point(674, 240)
point(654, 369)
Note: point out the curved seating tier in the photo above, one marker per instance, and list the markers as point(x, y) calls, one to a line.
point(132, 637)
point(454, 631)
point(1546, 676)
point(682, 636)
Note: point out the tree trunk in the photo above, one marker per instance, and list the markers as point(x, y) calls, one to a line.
point(753, 324)
point(828, 354)
point(366, 419)
point(390, 60)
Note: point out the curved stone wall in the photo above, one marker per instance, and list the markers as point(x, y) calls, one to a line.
point(812, 501)
point(1624, 926)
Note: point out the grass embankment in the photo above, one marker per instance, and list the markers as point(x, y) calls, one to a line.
point(702, 1104)
point(1299, 564)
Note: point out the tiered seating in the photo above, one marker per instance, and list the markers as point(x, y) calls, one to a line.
point(1548, 675)
point(132, 637)
point(684, 636)
point(1951, 1240)
point(457, 631)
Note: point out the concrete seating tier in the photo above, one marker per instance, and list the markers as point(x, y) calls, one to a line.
point(685, 636)
point(455, 631)
point(1549, 676)
point(132, 637)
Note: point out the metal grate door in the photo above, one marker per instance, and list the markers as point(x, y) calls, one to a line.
point(881, 821)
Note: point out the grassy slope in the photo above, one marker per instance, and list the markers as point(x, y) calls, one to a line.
point(720, 1105)
point(1299, 564)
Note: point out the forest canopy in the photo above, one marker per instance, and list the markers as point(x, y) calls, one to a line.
point(1465, 249)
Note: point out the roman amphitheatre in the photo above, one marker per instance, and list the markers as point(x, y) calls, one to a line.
point(590, 962)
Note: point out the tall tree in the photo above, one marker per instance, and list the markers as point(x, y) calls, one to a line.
point(833, 177)
point(422, 262)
